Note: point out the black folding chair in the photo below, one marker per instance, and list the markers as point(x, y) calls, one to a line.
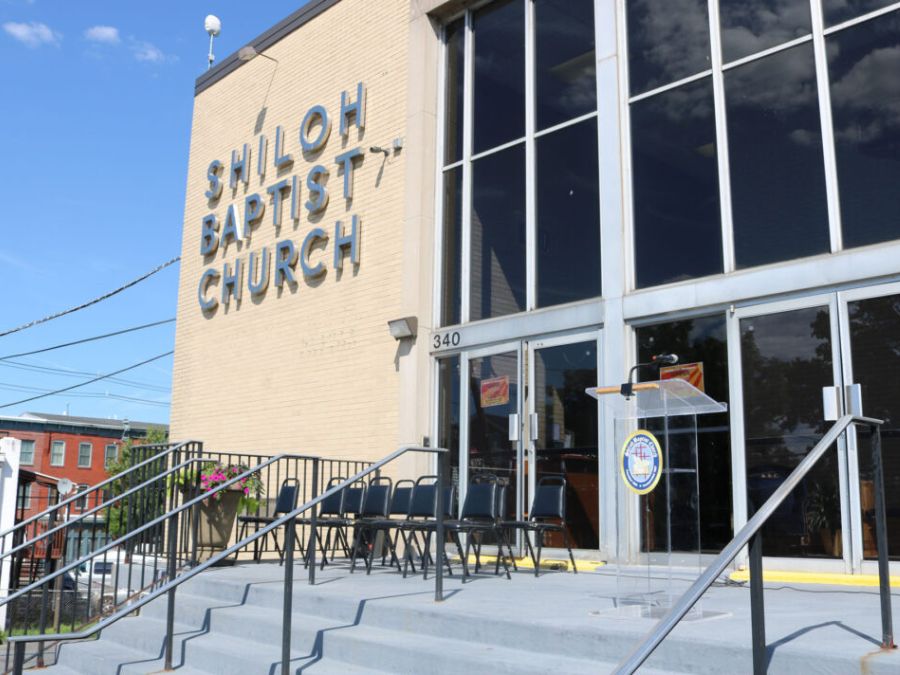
point(479, 516)
point(422, 520)
point(549, 506)
point(374, 509)
point(351, 505)
point(400, 502)
point(284, 503)
point(332, 507)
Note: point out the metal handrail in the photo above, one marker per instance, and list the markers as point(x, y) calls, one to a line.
point(19, 641)
point(172, 447)
point(750, 534)
point(90, 512)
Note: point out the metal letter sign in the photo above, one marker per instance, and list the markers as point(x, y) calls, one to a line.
point(641, 462)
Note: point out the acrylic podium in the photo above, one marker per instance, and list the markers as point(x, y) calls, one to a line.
point(657, 495)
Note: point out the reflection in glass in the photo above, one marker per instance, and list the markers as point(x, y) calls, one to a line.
point(864, 65)
point(453, 126)
point(837, 11)
point(568, 215)
point(498, 234)
point(565, 76)
point(567, 435)
point(667, 40)
point(703, 341)
point(777, 167)
point(448, 416)
point(786, 360)
point(499, 82)
point(451, 248)
point(875, 354)
point(750, 26)
point(493, 397)
point(677, 231)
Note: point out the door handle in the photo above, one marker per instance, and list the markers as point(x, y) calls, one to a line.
point(533, 426)
point(514, 427)
point(830, 407)
point(853, 397)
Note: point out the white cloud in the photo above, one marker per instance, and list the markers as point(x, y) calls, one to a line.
point(104, 34)
point(147, 52)
point(32, 34)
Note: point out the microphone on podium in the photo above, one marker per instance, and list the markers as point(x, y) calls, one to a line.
point(665, 359)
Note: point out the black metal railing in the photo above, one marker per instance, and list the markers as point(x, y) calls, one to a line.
point(751, 534)
point(91, 553)
point(179, 563)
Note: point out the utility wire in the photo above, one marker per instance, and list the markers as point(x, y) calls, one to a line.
point(90, 339)
point(85, 394)
point(81, 373)
point(91, 381)
point(91, 302)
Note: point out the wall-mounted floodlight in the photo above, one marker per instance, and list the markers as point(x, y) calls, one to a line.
point(377, 150)
point(213, 26)
point(250, 52)
point(403, 328)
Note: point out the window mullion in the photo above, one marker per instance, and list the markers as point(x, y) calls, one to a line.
point(530, 168)
point(468, 107)
point(718, 79)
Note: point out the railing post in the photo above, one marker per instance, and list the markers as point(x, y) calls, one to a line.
point(440, 550)
point(18, 658)
point(311, 548)
point(757, 606)
point(290, 533)
point(881, 539)
point(170, 611)
point(45, 591)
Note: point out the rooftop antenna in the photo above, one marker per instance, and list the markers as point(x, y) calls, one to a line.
point(213, 26)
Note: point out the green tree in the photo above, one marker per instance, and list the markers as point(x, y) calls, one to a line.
point(128, 456)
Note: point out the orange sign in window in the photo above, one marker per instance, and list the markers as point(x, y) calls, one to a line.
point(692, 372)
point(495, 391)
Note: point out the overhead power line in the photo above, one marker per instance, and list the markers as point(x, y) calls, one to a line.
point(81, 373)
point(86, 394)
point(90, 339)
point(91, 302)
point(91, 381)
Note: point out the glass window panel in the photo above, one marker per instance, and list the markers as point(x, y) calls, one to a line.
point(837, 11)
point(84, 454)
point(786, 360)
point(451, 252)
point(567, 436)
point(568, 215)
point(498, 234)
point(677, 231)
point(875, 344)
point(58, 453)
point(864, 64)
point(110, 455)
point(26, 455)
point(565, 80)
point(499, 81)
point(453, 126)
point(779, 205)
point(701, 340)
point(667, 40)
point(750, 26)
point(448, 415)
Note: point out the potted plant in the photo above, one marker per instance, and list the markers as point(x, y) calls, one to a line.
point(823, 515)
point(216, 514)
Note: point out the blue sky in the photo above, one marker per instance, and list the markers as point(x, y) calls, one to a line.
point(95, 117)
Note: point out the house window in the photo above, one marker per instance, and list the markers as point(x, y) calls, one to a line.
point(110, 454)
point(58, 453)
point(81, 503)
point(84, 455)
point(24, 501)
point(26, 456)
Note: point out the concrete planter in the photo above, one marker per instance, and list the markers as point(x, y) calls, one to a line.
point(215, 522)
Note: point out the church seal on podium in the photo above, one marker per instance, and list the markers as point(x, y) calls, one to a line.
point(641, 462)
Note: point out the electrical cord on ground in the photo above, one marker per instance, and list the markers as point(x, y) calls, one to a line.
point(90, 339)
point(91, 302)
point(91, 381)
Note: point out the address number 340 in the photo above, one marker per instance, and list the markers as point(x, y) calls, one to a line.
point(445, 340)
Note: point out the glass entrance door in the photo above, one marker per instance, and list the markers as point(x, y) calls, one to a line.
point(562, 430)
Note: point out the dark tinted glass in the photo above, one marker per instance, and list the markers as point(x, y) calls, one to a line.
point(666, 41)
point(750, 26)
point(775, 151)
point(565, 75)
point(568, 215)
point(700, 341)
point(677, 232)
point(499, 86)
point(864, 64)
point(875, 344)
point(448, 415)
point(451, 279)
point(498, 234)
point(453, 127)
point(786, 360)
point(841, 10)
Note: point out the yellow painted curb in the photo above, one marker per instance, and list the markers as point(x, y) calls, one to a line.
point(546, 563)
point(825, 578)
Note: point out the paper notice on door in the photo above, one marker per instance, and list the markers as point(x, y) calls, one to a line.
point(495, 391)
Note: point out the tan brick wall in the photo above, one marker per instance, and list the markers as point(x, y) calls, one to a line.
point(312, 370)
